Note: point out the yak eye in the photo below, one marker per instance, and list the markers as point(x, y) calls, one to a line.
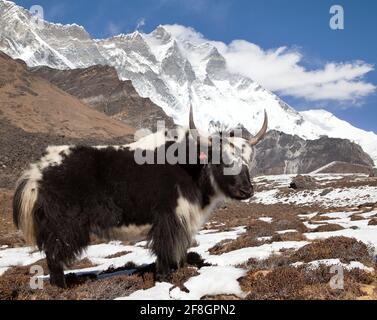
point(234, 163)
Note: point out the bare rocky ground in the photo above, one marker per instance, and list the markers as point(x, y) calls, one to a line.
point(327, 232)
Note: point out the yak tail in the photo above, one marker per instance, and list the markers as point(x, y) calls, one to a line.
point(24, 203)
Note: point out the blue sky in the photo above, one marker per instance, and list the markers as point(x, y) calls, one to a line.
point(300, 25)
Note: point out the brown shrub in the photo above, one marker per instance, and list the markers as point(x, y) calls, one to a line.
point(357, 217)
point(182, 275)
point(321, 218)
point(291, 283)
point(328, 228)
point(373, 222)
point(291, 223)
point(117, 255)
point(259, 228)
point(303, 182)
point(14, 282)
point(343, 248)
point(280, 283)
point(243, 241)
point(290, 236)
point(15, 285)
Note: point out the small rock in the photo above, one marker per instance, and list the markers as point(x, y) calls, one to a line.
point(303, 182)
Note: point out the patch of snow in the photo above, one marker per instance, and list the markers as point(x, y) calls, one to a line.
point(264, 238)
point(338, 197)
point(338, 215)
point(313, 226)
point(241, 256)
point(324, 167)
point(212, 281)
point(3, 270)
point(208, 240)
point(161, 291)
point(19, 257)
point(266, 219)
point(367, 215)
point(308, 216)
point(287, 231)
point(367, 234)
point(334, 262)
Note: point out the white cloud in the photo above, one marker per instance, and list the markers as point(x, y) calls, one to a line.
point(280, 70)
point(140, 23)
point(113, 28)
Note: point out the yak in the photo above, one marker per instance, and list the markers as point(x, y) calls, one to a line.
point(73, 192)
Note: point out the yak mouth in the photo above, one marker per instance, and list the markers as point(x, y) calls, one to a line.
point(243, 194)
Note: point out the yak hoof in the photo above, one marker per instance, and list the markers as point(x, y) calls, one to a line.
point(58, 281)
point(162, 277)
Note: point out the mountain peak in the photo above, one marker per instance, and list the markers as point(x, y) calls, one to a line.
point(165, 66)
point(160, 33)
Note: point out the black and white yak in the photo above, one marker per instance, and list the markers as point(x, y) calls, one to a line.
point(76, 191)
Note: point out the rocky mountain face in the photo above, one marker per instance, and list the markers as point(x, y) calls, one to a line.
point(33, 104)
point(345, 167)
point(282, 153)
point(35, 114)
point(99, 87)
point(173, 67)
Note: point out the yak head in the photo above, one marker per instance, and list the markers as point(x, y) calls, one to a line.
point(229, 156)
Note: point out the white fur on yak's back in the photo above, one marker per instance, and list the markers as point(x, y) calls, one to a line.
point(27, 200)
point(155, 140)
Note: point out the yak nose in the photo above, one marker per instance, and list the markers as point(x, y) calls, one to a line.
point(247, 190)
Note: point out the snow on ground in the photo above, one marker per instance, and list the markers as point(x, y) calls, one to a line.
point(160, 291)
point(339, 197)
point(19, 257)
point(241, 256)
point(307, 216)
point(207, 240)
point(334, 262)
point(221, 277)
point(210, 282)
point(2, 271)
point(367, 234)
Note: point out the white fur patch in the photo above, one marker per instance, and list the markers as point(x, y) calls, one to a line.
point(192, 215)
point(155, 140)
point(54, 156)
point(27, 201)
point(241, 148)
point(131, 233)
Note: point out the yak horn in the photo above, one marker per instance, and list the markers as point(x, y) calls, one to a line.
point(194, 131)
point(255, 140)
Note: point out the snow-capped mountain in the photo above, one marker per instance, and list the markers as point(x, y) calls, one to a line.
point(169, 69)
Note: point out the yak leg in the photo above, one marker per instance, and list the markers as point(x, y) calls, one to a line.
point(170, 241)
point(56, 272)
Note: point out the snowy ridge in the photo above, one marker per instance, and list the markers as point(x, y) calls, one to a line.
point(165, 66)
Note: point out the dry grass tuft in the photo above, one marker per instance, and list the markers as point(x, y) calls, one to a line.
point(290, 236)
point(343, 248)
point(328, 228)
point(289, 283)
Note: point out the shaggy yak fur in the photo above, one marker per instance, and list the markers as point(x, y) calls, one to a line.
point(76, 191)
